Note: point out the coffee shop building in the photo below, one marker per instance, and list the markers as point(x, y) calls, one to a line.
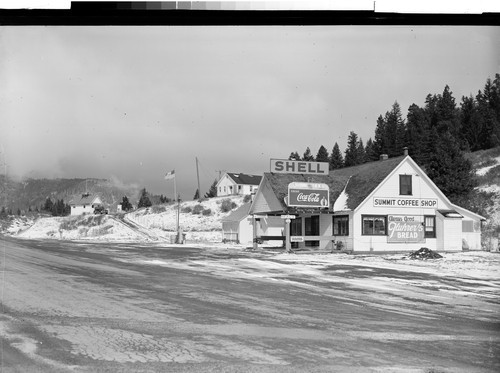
point(389, 205)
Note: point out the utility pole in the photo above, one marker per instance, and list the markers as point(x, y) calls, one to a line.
point(198, 177)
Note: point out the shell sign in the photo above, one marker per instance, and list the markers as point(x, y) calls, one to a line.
point(311, 195)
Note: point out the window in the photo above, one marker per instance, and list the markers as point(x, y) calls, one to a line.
point(405, 185)
point(467, 226)
point(374, 225)
point(341, 225)
point(312, 229)
point(430, 226)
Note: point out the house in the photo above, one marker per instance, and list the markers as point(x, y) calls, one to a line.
point(238, 226)
point(85, 204)
point(237, 184)
point(383, 206)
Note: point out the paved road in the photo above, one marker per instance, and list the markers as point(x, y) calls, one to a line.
point(110, 307)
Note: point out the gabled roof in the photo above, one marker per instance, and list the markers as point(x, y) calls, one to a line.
point(363, 179)
point(244, 179)
point(239, 214)
point(84, 199)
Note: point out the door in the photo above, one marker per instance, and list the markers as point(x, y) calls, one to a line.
point(312, 229)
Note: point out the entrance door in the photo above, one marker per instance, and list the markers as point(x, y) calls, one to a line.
point(296, 230)
point(312, 229)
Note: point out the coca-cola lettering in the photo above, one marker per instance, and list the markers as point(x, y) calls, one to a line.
point(311, 197)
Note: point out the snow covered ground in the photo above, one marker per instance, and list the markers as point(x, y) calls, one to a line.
point(483, 170)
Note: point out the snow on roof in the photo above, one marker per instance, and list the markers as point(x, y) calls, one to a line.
point(84, 199)
point(341, 202)
point(245, 179)
point(239, 214)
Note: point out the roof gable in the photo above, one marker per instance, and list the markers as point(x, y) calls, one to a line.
point(245, 179)
point(239, 214)
point(85, 199)
point(359, 181)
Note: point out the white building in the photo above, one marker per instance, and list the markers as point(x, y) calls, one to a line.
point(238, 226)
point(237, 184)
point(85, 204)
point(383, 206)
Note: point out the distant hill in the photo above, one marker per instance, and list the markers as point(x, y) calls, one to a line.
point(32, 193)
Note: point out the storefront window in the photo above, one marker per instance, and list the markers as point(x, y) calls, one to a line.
point(405, 185)
point(341, 225)
point(374, 225)
point(430, 226)
point(312, 229)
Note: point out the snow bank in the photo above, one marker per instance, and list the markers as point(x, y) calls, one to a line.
point(483, 170)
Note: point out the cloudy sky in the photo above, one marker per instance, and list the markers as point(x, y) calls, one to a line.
point(132, 103)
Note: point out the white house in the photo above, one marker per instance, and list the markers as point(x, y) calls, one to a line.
point(238, 226)
point(85, 204)
point(237, 183)
point(383, 206)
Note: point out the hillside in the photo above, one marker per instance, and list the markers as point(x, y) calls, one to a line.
point(199, 220)
point(32, 193)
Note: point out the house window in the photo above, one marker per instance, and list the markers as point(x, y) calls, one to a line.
point(239, 188)
point(311, 228)
point(430, 226)
point(405, 185)
point(374, 225)
point(341, 225)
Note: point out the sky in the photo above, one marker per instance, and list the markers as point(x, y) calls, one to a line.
point(132, 103)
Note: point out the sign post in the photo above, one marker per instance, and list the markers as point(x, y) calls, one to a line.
point(288, 245)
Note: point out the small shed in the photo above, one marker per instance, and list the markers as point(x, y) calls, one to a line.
point(238, 226)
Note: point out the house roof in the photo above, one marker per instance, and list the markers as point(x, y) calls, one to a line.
point(239, 214)
point(84, 199)
point(358, 181)
point(245, 179)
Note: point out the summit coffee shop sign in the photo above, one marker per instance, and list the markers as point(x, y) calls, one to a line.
point(284, 166)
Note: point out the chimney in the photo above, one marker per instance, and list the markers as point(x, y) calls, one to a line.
point(384, 157)
point(405, 151)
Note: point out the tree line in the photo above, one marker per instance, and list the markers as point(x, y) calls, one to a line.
point(436, 135)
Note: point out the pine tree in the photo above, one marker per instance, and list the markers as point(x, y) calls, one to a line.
point(48, 205)
point(380, 142)
point(371, 154)
point(144, 200)
point(449, 169)
point(322, 155)
point(336, 159)
point(294, 156)
point(418, 132)
point(361, 152)
point(351, 153)
point(212, 192)
point(394, 131)
point(196, 194)
point(126, 205)
point(308, 156)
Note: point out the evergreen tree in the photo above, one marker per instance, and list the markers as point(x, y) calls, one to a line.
point(449, 169)
point(418, 134)
point(379, 144)
point(352, 151)
point(308, 156)
point(361, 152)
point(196, 194)
point(394, 138)
point(48, 205)
point(3, 213)
point(489, 111)
point(294, 156)
point(322, 155)
point(212, 192)
point(144, 200)
point(336, 159)
point(371, 154)
point(126, 205)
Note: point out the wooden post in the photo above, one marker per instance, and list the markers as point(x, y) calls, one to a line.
point(288, 245)
point(254, 224)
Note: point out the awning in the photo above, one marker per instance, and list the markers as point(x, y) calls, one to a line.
point(450, 214)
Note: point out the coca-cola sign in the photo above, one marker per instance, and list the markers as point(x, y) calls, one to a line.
point(312, 195)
